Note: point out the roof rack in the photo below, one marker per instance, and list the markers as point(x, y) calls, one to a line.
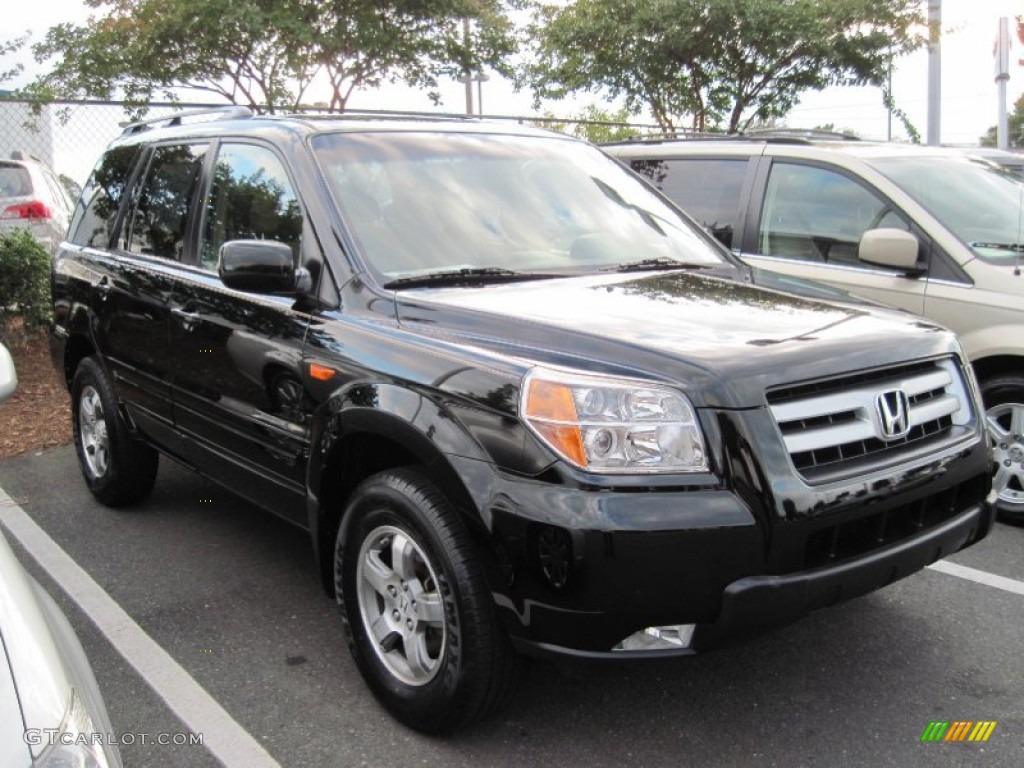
point(798, 133)
point(228, 112)
point(385, 114)
point(654, 138)
point(771, 135)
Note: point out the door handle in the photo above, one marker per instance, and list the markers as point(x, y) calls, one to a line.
point(188, 319)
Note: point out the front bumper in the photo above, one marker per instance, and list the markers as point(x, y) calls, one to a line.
point(753, 604)
point(585, 568)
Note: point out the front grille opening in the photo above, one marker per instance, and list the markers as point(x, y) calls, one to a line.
point(828, 420)
point(813, 389)
point(858, 537)
point(834, 428)
point(822, 458)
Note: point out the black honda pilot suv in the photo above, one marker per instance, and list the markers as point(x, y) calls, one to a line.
point(521, 403)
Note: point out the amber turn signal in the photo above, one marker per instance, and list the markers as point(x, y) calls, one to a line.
point(321, 372)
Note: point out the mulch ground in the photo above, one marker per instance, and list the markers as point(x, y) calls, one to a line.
point(38, 415)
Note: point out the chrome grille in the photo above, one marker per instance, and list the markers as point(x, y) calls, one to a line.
point(874, 417)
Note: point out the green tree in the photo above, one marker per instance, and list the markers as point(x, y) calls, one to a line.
point(716, 62)
point(8, 47)
point(1015, 128)
point(592, 124)
point(266, 53)
point(599, 126)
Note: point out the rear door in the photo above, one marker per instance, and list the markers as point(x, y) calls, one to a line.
point(713, 190)
point(124, 266)
point(238, 392)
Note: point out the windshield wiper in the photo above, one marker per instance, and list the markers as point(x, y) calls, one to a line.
point(466, 276)
point(655, 264)
point(1017, 247)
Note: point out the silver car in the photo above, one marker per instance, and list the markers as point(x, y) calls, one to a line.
point(51, 711)
point(33, 198)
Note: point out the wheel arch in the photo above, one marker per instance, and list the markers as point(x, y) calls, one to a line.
point(76, 349)
point(370, 428)
point(996, 365)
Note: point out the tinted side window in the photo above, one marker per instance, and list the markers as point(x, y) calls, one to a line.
point(708, 190)
point(251, 198)
point(819, 215)
point(96, 212)
point(161, 214)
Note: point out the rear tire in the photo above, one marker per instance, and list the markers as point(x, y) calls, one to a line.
point(418, 615)
point(118, 469)
point(1004, 411)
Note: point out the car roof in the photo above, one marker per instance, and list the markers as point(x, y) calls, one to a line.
point(207, 123)
point(755, 143)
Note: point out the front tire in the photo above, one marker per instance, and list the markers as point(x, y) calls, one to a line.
point(118, 469)
point(418, 615)
point(1004, 420)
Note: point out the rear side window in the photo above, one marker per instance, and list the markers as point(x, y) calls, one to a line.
point(96, 212)
point(708, 190)
point(160, 219)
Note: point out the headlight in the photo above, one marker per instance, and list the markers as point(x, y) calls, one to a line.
point(604, 424)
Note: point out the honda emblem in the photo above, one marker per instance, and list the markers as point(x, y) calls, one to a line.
point(893, 409)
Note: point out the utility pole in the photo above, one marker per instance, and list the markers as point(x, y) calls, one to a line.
point(1002, 76)
point(934, 72)
point(888, 79)
point(467, 75)
point(480, 78)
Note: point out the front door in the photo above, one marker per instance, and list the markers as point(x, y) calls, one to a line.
point(238, 393)
point(811, 222)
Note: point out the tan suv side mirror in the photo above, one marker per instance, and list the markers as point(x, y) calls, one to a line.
point(888, 247)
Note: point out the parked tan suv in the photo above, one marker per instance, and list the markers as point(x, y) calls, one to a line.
point(935, 231)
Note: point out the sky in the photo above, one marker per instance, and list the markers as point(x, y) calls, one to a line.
point(969, 96)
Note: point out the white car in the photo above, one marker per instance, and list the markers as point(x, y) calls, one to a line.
point(51, 712)
point(33, 198)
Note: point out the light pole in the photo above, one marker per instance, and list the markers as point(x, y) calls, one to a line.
point(934, 71)
point(480, 78)
point(1002, 75)
point(467, 77)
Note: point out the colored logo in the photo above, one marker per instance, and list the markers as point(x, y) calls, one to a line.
point(958, 730)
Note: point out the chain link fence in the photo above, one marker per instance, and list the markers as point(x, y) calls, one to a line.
point(70, 135)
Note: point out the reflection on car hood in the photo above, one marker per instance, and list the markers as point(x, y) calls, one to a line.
point(743, 336)
point(808, 289)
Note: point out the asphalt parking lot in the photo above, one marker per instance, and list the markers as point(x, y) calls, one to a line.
point(230, 594)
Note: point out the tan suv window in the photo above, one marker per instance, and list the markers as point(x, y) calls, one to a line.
point(819, 215)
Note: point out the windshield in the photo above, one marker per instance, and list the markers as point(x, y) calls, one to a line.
point(424, 203)
point(978, 201)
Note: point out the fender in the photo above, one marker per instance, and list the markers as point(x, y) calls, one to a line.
point(994, 341)
point(403, 421)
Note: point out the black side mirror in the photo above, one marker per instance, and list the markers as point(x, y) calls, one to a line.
point(257, 266)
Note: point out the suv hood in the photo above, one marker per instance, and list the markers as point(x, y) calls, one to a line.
point(724, 341)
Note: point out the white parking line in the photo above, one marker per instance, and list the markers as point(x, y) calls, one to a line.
point(981, 577)
point(226, 740)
